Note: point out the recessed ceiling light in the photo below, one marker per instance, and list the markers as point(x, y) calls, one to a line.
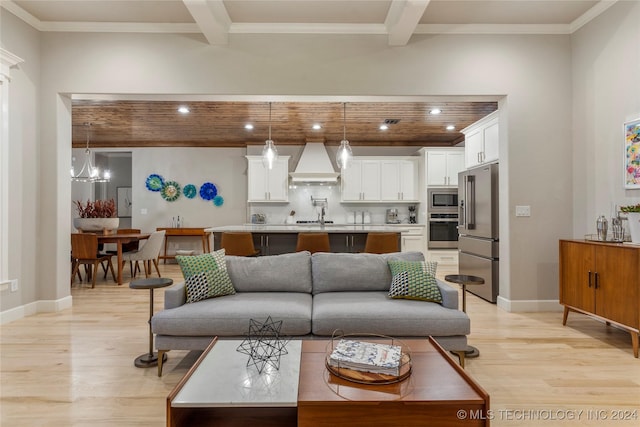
point(384, 127)
point(435, 111)
point(183, 109)
point(451, 127)
point(248, 126)
point(316, 126)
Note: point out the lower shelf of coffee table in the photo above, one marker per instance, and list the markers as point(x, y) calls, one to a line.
point(233, 417)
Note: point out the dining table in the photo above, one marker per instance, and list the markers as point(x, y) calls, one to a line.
point(119, 240)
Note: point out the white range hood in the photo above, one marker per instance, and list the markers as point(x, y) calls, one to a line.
point(314, 165)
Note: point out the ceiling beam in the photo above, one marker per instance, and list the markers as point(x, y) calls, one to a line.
point(212, 18)
point(402, 20)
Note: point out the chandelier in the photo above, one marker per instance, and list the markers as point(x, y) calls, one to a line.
point(344, 154)
point(89, 173)
point(269, 151)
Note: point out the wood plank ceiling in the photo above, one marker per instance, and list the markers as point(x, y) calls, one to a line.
point(222, 124)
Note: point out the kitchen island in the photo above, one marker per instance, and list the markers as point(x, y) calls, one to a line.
point(274, 239)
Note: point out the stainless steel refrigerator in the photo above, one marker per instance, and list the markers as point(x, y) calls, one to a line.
point(478, 228)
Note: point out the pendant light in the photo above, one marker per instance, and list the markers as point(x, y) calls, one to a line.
point(89, 173)
point(269, 151)
point(344, 154)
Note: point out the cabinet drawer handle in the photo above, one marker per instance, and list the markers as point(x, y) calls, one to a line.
point(589, 278)
point(596, 281)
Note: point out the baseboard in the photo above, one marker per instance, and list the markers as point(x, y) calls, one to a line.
point(44, 306)
point(522, 306)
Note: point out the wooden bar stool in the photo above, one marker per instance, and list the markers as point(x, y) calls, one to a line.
point(313, 242)
point(381, 243)
point(238, 244)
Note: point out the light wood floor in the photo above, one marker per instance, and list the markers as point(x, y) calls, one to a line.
point(75, 368)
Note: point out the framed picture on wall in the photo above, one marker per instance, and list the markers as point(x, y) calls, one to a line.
point(124, 202)
point(632, 154)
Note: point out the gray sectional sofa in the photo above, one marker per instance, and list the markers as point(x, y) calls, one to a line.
point(314, 295)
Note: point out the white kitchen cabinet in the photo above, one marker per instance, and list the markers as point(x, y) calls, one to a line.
point(412, 239)
point(399, 180)
point(443, 167)
point(361, 181)
point(268, 185)
point(482, 141)
point(443, 256)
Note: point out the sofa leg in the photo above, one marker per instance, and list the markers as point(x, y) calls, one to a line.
point(160, 360)
point(460, 355)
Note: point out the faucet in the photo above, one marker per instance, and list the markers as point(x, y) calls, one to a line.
point(321, 216)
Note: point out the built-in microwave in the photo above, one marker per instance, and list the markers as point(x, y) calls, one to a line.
point(443, 199)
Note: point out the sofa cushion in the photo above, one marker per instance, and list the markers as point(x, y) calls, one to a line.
point(205, 276)
point(229, 315)
point(414, 280)
point(275, 273)
point(374, 312)
point(334, 272)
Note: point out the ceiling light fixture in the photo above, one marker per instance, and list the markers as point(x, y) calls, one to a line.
point(248, 126)
point(435, 111)
point(89, 173)
point(269, 151)
point(183, 109)
point(384, 127)
point(344, 154)
point(316, 126)
point(451, 127)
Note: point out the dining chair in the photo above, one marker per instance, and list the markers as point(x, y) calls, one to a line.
point(381, 243)
point(84, 251)
point(238, 244)
point(313, 242)
point(148, 253)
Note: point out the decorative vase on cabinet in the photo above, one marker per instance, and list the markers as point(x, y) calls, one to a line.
point(634, 226)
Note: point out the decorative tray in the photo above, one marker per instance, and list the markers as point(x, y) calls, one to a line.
point(363, 377)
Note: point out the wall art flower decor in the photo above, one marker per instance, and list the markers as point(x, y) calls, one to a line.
point(208, 191)
point(189, 191)
point(154, 182)
point(218, 201)
point(171, 191)
point(632, 154)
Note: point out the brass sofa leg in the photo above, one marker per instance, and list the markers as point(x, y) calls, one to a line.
point(160, 359)
point(460, 355)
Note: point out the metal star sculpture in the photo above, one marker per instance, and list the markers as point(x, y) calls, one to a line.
point(264, 345)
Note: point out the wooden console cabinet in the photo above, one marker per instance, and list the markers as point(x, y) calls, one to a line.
point(603, 281)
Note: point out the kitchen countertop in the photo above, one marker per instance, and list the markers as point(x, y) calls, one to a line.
point(328, 228)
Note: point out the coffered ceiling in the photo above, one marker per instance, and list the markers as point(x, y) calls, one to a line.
point(155, 122)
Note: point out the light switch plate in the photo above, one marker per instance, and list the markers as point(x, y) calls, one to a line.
point(143, 211)
point(523, 210)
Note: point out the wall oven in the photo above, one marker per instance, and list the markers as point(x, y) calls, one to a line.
point(443, 200)
point(443, 230)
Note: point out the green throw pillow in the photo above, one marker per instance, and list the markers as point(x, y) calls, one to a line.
point(205, 276)
point(414, 280)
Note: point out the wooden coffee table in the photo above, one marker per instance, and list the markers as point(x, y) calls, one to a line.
point(438, 392)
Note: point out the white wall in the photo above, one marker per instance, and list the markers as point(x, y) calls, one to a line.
point(606, 93)
point(24, 157)
point(532, 75)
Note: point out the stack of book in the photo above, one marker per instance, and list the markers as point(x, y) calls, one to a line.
point(367, 357)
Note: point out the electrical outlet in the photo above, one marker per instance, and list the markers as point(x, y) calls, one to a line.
point(14, 285)
point(143, 211)
point(523, 210)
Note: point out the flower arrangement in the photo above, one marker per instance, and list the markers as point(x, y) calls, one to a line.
point(97, 209)
point(630, 208)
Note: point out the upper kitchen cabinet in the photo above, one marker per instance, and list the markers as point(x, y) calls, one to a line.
point(399, 180)
point(443, 166)
point(361, 181)
point(482, 141)
point(268, 185)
